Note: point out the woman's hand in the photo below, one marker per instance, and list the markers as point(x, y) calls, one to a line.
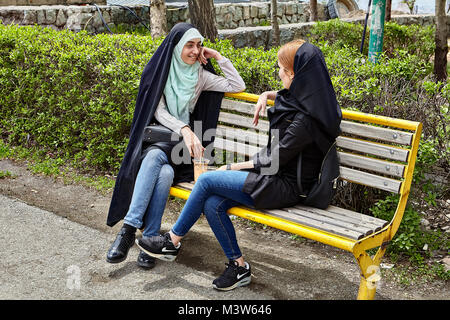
point(192, 143)
point(260, 107)
point(207, 53)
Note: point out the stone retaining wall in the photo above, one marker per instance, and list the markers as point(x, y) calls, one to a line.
point(74, 18)
point(48, 2)
point(78, 18)
point(262, 36)
point(231, 16)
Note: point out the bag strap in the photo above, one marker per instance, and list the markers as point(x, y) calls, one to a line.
point(299, 169)
point(299, 175)
point(320, 141)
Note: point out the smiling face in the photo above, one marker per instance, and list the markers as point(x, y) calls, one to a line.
point(286, 75)
point(191, 50)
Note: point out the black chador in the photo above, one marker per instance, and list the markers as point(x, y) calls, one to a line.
point(151, 87)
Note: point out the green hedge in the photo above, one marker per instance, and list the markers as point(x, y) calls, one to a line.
point(414, 39)
point(72, 94)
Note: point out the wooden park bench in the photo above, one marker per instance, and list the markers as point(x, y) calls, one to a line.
point(375, 151)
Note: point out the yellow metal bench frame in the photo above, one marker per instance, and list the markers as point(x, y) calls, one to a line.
point(369, 266)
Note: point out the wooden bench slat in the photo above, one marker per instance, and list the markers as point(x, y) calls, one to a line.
point(370, 180)
point(356, 219)
point(241, 135)
point(378, 133)
point(243, 107)
point(373, 148)
point(241, 121)
point(364, 217)
point(363, 130)
point(186, 185)
point(321, 225)
point(233, 146)
point(328, 218)
point(381, 166)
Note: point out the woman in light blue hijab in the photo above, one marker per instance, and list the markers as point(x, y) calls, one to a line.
point(172, 104)
point(183, 77)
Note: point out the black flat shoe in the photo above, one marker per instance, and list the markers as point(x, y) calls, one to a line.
point(120, 247)
point(145, 261)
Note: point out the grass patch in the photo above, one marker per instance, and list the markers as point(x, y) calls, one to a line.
point(41, 163)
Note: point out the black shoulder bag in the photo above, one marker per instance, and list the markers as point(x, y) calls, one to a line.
point(323, 191)
point(159, 133)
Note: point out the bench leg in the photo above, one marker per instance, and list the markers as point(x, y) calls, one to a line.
point(366, 290)
point(370, 274)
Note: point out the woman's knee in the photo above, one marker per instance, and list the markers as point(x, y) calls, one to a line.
point(167, 173)
point(205, 179)
point(155, 156)
point(215, 205)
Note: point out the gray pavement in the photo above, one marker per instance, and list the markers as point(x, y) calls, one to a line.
point(46, 256)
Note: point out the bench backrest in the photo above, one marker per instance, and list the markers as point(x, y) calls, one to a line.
point(375, 151)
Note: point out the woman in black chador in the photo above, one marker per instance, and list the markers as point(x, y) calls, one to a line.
point(307, 117)
point(178, 87)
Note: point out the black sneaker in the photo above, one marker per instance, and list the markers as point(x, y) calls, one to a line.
point(234, 276)
point(119, 248)
point(160, 247)
point(145, 261)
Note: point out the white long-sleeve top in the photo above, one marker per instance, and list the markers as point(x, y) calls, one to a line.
point(207, 81)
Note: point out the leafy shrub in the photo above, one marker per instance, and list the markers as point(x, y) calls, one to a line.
point(410, 238)
point(257, 67)
point(414, 39)
point(338, 34)
point(68, 93)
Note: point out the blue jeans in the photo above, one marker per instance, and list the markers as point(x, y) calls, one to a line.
point(214, 193)
point(150, 193)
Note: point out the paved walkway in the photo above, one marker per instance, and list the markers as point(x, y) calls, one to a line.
point(45, 256)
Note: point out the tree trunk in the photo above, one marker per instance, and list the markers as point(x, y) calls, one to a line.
point(203, 16)
point(158, 20)
point(440, 53)
point(313, 8)
point(275, 27)
point(388, 10)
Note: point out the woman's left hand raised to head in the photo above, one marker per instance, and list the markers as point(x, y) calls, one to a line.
point(207, 53)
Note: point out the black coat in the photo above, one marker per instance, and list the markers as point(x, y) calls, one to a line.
point(153, 81)
point(302, 114)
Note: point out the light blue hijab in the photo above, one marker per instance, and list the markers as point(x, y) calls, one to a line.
point(182, 79)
